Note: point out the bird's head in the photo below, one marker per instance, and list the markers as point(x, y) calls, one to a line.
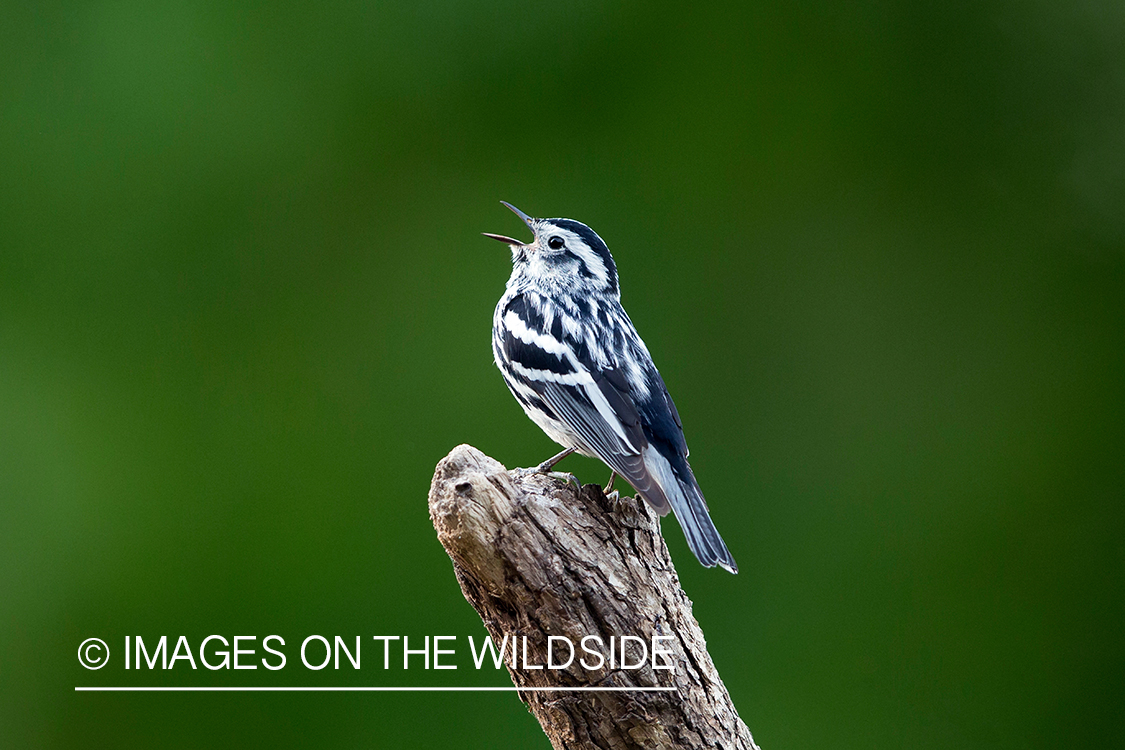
point(563, 254)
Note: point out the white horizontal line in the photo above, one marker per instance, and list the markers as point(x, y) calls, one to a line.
point(261, 689)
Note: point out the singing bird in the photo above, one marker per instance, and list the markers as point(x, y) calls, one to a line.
point(572, 358)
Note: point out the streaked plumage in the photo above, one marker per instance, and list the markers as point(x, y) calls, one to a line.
point(571, 357)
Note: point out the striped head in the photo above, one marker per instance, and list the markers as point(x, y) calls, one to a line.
point(565, 256)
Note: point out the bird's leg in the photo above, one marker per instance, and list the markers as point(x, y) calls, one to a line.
point(612, 495)
point(563, 476)
point(546, 466)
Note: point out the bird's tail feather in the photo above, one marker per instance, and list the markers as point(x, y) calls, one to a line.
point(686, 499)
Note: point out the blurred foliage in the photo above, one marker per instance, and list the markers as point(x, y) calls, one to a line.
point(877, 251)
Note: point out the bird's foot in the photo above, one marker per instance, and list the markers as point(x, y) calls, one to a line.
point(546, 469)
point(565, 477)
point(611, 494)
point(546, 466)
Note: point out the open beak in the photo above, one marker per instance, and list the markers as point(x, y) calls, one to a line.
point(502, 238)
point(508, 240)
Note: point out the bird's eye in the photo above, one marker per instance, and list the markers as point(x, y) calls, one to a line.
point(555, 243)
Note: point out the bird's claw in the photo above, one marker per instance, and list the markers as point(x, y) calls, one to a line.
point(564, 476)
point(544, 470)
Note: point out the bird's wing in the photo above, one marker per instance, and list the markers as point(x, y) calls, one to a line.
point(659, 413)
point(595, 403)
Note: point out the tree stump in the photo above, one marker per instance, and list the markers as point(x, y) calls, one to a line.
point(537, 558)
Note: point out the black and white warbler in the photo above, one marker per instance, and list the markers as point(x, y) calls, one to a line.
point(571, 357)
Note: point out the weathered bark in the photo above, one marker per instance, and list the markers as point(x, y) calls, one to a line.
point(537, 558)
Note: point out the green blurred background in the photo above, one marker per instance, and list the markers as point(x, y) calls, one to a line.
point(877, 250)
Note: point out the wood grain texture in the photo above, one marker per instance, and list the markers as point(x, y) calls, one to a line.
point(537, 558)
